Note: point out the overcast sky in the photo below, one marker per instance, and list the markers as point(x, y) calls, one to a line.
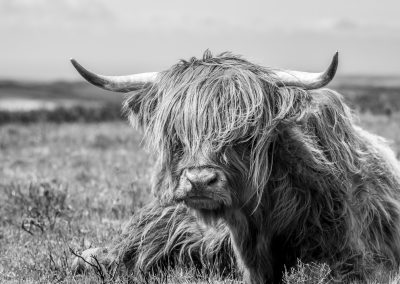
point(37, 37)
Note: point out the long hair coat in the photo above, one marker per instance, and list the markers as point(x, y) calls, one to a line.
point(311, 184)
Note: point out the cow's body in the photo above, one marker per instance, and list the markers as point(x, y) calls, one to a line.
point(283, 171)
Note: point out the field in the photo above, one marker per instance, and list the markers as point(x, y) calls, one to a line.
point(71, 185)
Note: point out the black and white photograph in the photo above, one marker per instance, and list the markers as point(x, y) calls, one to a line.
point(225, 141)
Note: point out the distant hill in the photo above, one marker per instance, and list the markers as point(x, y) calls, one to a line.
point(55, 91)
point(67, 90)
point(379, 95)
point(71, 101)
point(366, 80)
point(57, 102)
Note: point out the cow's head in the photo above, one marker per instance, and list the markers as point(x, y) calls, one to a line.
point(212, 123)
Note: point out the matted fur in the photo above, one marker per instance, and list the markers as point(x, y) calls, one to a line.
point(307, 183)
point(161, 237)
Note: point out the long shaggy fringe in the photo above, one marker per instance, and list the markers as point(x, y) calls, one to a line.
point(225, 100)
point(325, 190)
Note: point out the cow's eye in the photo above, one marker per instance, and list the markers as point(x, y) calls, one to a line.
point(177, 148)
point(242, 147)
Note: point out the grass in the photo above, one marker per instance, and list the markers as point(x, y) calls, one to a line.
point(71, 186)
point(64, 186)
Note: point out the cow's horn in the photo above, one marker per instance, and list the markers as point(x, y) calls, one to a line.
point(307, 80)
point(116, 83)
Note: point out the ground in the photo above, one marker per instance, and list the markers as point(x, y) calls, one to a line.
point(70, 186)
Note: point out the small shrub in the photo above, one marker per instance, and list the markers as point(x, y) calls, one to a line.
point(39, 205)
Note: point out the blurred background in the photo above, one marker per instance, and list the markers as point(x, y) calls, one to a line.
point(120, 37)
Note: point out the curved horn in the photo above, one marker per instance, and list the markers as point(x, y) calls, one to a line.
point(116, 83)
point(307, 80)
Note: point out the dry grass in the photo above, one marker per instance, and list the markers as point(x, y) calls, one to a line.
point(71, 186)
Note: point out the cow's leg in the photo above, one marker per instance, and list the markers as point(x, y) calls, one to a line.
point(160, 237)
point(94, 258)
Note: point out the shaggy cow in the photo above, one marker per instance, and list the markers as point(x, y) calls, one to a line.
point(273, 164)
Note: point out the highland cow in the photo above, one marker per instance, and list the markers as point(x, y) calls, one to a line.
point(257, 168)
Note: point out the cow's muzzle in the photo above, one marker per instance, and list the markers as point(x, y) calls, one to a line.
point(202, 187)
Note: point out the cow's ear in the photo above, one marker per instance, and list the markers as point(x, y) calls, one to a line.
point(322, 135)
point(139, 106)
point(133, 103)
point(132, 108)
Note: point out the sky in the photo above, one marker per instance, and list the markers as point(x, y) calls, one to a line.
point(37, 37)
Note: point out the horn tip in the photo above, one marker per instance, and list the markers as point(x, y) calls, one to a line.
point(334, 65)
point(336, 56)
point(75, 63)
point(87, 75)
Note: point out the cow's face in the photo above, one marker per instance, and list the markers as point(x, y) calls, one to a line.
point(211, 122)
point(210, 179)
point(211, 127)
